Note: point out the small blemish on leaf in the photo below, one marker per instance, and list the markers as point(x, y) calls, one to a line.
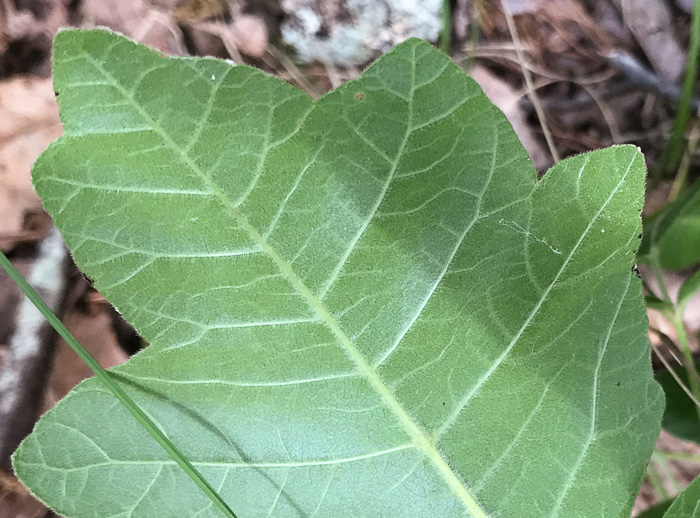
point(360, 96)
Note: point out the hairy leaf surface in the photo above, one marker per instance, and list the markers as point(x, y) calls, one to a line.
point(366, 305)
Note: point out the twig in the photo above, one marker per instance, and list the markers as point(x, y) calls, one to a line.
point(293, 71)
point(673, 373)
point(501, 52)
point(641, 77)
point(529, 83)
point(607, 114)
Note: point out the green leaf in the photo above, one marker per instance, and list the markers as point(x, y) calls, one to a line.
point(361, 306)
point(657, 511)
point(674, 234)
point(687, 504)
point(656, 303)
point(680, 415)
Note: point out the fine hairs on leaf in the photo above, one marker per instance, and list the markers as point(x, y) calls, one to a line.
point(363, 305)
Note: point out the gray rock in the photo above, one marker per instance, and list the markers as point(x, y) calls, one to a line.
point(352, 32)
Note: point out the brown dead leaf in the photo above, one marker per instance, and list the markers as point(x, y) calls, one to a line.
point(561, 34)
point(139, 20)
point(246, 34)
point(15, 500)
point(94, 331)
point(193, 11)
point(28, 123)
point(651, 23)
point(250, 35)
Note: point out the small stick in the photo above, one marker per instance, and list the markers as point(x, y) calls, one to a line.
point(529, 83)
point(643, 78)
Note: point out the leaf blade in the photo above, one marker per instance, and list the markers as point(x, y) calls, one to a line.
point(360, 298)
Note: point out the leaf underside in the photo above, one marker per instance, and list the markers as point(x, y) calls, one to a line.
point(365, 305)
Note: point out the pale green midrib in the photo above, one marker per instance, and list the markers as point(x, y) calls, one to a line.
point(414, 432)
point(419, 438)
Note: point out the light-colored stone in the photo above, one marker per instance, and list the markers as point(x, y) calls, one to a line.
point(352, 32)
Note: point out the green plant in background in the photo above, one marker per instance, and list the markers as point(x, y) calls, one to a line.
point(686, 505)
point(672, 242)
point(365, 305)
point(673, 154)
point(672, 235)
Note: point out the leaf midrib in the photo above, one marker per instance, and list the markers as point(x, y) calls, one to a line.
point(417, 435)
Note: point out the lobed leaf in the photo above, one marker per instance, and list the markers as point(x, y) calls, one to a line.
point(365, 305)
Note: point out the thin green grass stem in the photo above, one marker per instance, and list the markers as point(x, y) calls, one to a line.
point(676, 144)
point(681, 179)
point(474, 33)
point(681, 456)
